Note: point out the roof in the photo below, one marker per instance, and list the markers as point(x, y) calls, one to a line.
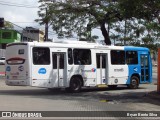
point(79, 44)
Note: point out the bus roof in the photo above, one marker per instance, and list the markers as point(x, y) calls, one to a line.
point(135, 48)
point(77, 44)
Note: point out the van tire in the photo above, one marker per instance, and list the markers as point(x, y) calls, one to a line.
point(75, 84)
point(134, 82)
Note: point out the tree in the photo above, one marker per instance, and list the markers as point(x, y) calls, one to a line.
point(140, 9)
point(81, 16)
point(146, 13)
point(68, 16)
point(8, 25)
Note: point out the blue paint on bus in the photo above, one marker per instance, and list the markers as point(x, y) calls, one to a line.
point(143, 69)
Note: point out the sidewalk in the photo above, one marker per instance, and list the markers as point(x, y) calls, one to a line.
point(154, 95)
point(154, 69)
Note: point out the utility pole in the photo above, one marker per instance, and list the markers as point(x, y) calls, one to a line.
point(1, 26)
point(125, 25)
point(46, 27)
point(1, 22)
point(158, 71)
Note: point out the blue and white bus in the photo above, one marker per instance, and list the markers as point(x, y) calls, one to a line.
point(76, 64)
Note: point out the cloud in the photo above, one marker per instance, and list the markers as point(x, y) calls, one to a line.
point(21, 16)
point(24, 17)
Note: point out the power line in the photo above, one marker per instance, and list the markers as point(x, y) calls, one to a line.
point(14, 5)
point(50, 33)
point(25, 22)
point(13, 23)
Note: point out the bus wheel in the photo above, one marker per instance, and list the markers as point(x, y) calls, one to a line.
point(134, 82)
point(75, 84)
point(112, 86)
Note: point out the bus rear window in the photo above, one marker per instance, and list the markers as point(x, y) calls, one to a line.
point(41, 56)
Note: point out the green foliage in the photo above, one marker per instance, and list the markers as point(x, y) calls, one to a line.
point(128, 21)
point(141, 9)
point(77, 16)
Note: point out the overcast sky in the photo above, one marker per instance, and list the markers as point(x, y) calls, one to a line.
point(23, 13)
point(20, 12)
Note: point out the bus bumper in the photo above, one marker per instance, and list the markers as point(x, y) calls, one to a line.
point(17, 83)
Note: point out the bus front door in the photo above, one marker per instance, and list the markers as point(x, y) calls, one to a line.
point(144, 68)
point(58, 60)
point(102, 62)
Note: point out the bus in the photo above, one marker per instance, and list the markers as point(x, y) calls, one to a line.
point(73, 65)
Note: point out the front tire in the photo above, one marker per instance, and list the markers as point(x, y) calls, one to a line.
point(134, 82)
point(75, 84)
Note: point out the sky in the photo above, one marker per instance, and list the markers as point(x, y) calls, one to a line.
point(19, 12)
point(24, 12)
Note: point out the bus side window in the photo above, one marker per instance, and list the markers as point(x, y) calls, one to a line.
point(117, 57)
point(131, 57)
point(82, 56)
point(70, 57)
point(41, 56)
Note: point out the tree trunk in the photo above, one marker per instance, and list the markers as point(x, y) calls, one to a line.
point(105, 34)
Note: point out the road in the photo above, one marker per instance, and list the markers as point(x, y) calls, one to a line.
point(18, 98)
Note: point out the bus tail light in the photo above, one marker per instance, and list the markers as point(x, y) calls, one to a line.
point(15, 61)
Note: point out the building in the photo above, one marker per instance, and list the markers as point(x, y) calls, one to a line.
point(30, 34)
point(8, 36)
